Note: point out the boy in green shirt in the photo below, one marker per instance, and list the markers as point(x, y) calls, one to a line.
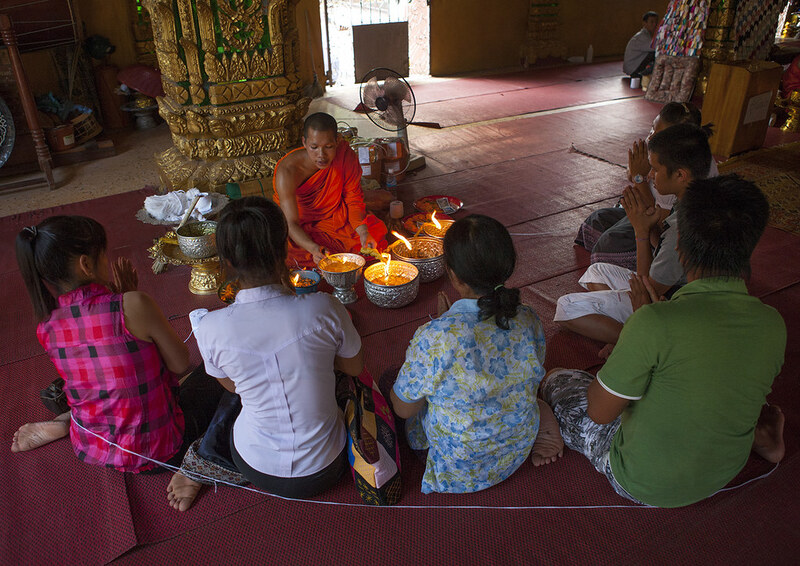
point(672, 416)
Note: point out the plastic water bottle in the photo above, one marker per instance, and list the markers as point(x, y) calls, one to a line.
point(391, 181)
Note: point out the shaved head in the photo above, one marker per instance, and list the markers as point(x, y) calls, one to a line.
point(321, 122)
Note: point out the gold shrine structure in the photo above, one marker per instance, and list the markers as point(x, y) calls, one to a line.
point(233, 98)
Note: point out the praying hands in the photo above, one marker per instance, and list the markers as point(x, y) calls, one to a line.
point(638, 163)
point(640, 208)
point(123, 276)
point(642, 291)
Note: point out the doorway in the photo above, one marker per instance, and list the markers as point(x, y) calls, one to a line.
point(360, 35)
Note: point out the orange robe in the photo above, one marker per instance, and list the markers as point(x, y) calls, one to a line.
point(330, 206)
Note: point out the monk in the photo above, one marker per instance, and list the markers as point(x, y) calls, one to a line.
point(318, 188)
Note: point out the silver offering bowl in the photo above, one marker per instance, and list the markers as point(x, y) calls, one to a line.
point(198, 240)
point(391, 296)
point(430, 228)
point(430, 268)
point(342, 281)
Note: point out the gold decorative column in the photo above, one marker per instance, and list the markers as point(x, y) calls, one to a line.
point(142, 34)
point(233, 97)
point(718, 42)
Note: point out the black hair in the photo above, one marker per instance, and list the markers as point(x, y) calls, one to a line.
point(682, 146)
point(684, 113)
point(251, 235)
point(479, 251)
point(720, 221)
point(648, 15)
point(46, 252)
point(320, 122)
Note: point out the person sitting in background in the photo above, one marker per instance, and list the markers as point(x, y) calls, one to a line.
point(469, 382)
point(677, 156)
point(674, 413)
point(639, 53)
point(318, 188)
point(607, 233)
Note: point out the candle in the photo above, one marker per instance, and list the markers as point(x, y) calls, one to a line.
point(435, 227)
point(304, 281)
point(396, 209)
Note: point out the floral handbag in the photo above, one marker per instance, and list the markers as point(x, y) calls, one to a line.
point(372, 448)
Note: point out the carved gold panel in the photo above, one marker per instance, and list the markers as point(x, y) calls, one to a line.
point(232, 90)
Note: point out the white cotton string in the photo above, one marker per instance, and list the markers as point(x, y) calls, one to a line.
point(215, 481)
point(761, 477)
point(190, 335)
point(553, 233)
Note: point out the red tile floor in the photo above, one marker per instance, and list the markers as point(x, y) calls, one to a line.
point(520, 170)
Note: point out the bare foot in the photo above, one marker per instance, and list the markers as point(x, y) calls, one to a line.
point(548, 446)
point(34, 435)
point(605, 351)
point(768, 440)
point(181, 492)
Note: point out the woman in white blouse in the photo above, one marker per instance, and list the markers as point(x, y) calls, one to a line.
point(278, 352)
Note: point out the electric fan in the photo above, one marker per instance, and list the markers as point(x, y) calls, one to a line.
point(389, 102)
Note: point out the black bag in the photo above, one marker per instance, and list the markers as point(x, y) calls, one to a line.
point(54, 398)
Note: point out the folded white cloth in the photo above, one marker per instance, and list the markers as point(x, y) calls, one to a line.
point(172, 206)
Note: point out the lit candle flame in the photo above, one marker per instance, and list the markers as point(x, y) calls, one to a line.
point(296, 279)
point(402, 239)
point(387, 260)
point(435, 222)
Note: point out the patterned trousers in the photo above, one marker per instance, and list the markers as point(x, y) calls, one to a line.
point(565, 392)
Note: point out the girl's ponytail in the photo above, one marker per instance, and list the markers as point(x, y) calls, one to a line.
point(501, 303)
point(46, 252)
point(479, 251)
point(41, 297)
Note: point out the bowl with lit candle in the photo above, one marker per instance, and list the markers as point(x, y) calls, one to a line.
point(341, 271)
point(437, 228)
point(304, 281)
point(426, 254)
point(391, 284)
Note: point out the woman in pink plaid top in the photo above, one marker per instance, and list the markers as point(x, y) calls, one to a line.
point(111, 344)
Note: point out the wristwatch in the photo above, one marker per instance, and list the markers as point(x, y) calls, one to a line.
point(638, 179)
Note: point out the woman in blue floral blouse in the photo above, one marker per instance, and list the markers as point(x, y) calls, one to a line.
point(468, 385)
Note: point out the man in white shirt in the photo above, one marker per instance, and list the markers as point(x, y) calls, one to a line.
point(639, 53)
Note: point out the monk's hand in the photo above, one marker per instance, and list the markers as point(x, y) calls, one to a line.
point(367, 240)
point(319, 254)
point(123, 276)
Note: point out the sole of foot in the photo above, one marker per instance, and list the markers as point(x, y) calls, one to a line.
point(768, 442)
point(181, 492)
point(34, 435)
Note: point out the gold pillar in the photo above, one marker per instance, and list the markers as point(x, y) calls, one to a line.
point(718, 41)
point(233, 97)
